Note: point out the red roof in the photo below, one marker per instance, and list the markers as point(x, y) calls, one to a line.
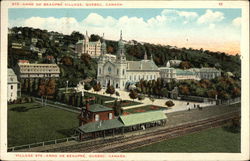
point(23, 61)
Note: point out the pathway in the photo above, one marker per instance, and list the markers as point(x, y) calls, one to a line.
point(179, 105)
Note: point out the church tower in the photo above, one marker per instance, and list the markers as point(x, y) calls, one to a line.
point(121, 64)
point(120, 51)
point(86, 43)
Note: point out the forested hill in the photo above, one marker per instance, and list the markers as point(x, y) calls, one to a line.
point(60, 45)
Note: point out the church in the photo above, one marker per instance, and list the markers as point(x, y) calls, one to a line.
point(117, 71)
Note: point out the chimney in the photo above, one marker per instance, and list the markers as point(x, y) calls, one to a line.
point(87, 104)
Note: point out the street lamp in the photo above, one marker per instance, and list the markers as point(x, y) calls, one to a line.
point(67, 86)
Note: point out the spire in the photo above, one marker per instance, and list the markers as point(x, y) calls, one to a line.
point(121, 35)
point(145, 55)
point(87, 34)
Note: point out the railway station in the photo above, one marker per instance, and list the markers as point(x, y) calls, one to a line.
point(92, 125)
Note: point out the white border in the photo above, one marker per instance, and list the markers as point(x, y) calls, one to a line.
point(244, 155)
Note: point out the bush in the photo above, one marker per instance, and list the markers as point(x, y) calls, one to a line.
point(169, 103)
point(141, 97)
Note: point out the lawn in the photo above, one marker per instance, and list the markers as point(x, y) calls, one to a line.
point(211, 140)
point(124, 103)
point(144, 109)
point(30, 123)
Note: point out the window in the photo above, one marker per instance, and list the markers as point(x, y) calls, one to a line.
point(130, 77)
point(110, 116)
point(109, 69)
point(11, 87)
point(97, 117)
point(123, 71)
point(150, 76)
point(134, 77)
point(117, 71)
point(100, 70)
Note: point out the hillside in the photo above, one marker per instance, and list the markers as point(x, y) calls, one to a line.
point(62, 47)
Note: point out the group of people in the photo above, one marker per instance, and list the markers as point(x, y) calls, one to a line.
point(195, 106)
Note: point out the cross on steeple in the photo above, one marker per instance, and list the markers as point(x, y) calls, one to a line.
point(121, 35)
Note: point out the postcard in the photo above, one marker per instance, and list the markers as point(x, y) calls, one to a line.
point(124, 80)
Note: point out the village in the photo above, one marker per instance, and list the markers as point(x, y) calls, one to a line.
point(123, 96)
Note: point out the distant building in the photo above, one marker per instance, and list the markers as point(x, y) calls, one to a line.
point(26, 70)
point(206, 73)
point(87, 47)
point(13, 86)
point(16, 45)
point(34, 40)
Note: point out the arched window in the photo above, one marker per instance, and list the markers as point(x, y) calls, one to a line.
point(109, 69)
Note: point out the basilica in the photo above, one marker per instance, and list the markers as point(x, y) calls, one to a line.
point(117, 71)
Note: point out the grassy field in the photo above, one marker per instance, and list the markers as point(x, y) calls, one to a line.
point(125, 103)
point(145, 108)
point(30, 123)
point(211, 140)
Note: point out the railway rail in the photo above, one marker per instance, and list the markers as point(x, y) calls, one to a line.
point(122, 143)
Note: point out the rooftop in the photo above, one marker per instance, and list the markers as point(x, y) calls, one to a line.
point(142, 65)
point(98, 108)
point(101, 125)
point(144, 117)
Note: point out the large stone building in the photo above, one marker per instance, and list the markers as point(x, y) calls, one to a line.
point(117, 71)
point(13, 86)
point(88, 47)
point(26, 70)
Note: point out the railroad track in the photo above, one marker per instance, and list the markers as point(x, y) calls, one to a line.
point(119, 144)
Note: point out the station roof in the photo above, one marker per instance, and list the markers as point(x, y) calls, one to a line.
point(98, 108)
point(101, 125)
point(140, 118)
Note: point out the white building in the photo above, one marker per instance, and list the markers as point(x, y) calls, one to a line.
point(117, 71)
point(26, 70)
point(87, 47)
point(13, 88)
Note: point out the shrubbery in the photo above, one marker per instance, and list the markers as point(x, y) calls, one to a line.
point(21, 100)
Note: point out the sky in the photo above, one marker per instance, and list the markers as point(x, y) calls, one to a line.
point(208, 28)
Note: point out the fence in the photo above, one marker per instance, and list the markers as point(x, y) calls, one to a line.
point(196, 98)
point(28, 146)
point(230, 101)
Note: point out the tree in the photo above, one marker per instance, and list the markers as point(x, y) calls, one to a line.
point(164, 92)
point(110, 90)
point(97, 87)
point(133, 94)
point(86, 59)
point(184, 89)
point(66, 60)
point(169, 103)
point(185, 65)
point(87, 86)
point(141, 97)
point(117, 108)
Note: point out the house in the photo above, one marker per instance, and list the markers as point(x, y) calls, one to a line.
point(34, 40)
point(13, 86)
point(16, 45)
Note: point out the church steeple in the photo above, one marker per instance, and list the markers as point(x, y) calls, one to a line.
point(145, 56)
point(121, 35)
point(103, 46)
